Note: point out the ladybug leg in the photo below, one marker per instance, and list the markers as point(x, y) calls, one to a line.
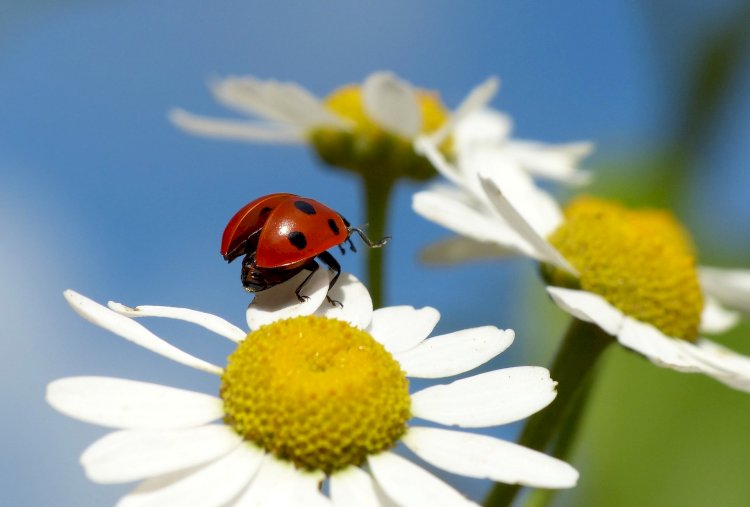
point(342, 249)
point(312, 266)
point(332, 264)
point(351, 244)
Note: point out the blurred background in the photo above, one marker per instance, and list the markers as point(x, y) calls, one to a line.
point(100, 193)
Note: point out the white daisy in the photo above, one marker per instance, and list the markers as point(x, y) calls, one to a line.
point(632, 273)
point(353, 128)
point(305, 399)
point(482, 143)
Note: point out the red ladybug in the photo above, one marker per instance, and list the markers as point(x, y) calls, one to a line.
point(282, 234)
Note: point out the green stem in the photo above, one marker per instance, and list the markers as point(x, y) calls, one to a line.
point(579, 351)
point(377, 192)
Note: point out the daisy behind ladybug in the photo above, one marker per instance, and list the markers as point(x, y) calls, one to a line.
point(282, 234)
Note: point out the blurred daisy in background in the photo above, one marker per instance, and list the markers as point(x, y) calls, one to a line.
point(314, 393)
point(633, 273)
point(360, 127)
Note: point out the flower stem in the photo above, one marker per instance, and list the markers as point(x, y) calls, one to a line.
point(572, 368)
point(377, 190)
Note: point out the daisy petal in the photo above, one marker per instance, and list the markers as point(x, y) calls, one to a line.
point(285, 102)
point(356, 303)
point(134, 332)
point(477, 99)
point(203, 319)
point(537, 207)
point(716, 319)
point(485, 457)
point(280, 484)
point(486, 126)
point(280, 301)
point(656, 346)
point(556, 162)
point(400, 328)
point(392, 104)
point(451, 354)
point(210, 486)
point(468, 220)
point(121, 403)
point(719, 361)
point(458, 249)
point(131, 455)
point(233, 129)
point(730, 286)
point(488, 399)
point(544, 251)
point(353, 486)
point(412, 486)
point(588, 307)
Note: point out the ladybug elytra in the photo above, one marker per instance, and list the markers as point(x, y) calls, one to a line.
point(281, 235)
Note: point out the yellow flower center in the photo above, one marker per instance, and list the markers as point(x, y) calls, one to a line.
point(367, 147)
point(347, 103)
point(641, 261)
point(317, 392)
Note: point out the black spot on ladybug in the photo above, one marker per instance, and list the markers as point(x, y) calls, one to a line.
point(297, 239)
point(333, 226)
point(265, 211)
point(304, 207)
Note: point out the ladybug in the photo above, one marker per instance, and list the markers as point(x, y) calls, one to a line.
point(282, 234)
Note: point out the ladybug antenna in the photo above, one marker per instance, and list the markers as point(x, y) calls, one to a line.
point(367, 241)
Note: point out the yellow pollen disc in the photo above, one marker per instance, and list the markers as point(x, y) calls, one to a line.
point(367, 148)
point(317, 392)
point(347, 103)
point(641, 261)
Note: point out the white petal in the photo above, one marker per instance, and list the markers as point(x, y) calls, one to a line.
point(537, 207)
point(280, 302)
point(451, 354)
point(412, 486)
point(132, 331)
point(485, 457)
point(131, 455)
point(121, 403)
point(488, 399)
point(479, 97)
point(486, 126)
point(207, 320)
point(544, 250)
point(285, 102)
point(659, 348)
point(280, 484)
point(716, 319)
point(234, 129)
point(728, 366)
point(458, 249)
point(401, 328)
point(210, 486)
point(588, 307)
point(392, 104)
point(353, 487)
point(556, 162)
point(719, 359)
point(356, 303)
point(470, 221)
point(730, 286)
point(424, 145)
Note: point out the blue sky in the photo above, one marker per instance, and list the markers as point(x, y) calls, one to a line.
point(100, 193)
